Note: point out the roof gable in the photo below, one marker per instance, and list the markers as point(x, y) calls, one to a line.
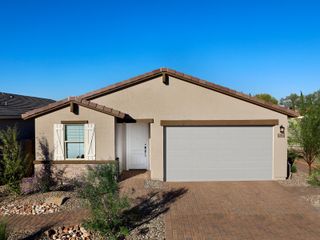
point(69, 101)
point(165, 72)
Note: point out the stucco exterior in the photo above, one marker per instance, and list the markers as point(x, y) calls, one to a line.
point(104, 125)
point(180, 100)
point(64, 172)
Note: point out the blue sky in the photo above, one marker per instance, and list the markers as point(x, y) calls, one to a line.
point(59, 48)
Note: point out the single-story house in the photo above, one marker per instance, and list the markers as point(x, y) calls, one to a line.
point(179, 127)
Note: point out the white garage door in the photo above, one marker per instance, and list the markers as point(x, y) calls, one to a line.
point(218, 153)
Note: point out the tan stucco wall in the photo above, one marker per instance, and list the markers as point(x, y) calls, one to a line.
point(104, 130)
point(64, 172)
point(184, 101)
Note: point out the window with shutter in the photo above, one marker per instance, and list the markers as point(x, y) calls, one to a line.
point(74, 141)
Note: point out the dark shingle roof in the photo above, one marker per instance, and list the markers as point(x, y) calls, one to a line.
point(13, 105)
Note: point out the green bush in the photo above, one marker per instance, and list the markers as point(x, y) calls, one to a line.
point(292, 155)
point(3, 231)
point(314, 178)
point(102, 193)
point(13, 159)
point(294, 168)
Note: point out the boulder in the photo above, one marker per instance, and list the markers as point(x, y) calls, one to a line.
point(56, 200)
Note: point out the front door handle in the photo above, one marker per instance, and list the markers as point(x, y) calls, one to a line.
point(145, 150)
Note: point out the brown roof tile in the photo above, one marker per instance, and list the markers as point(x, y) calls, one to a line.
point(65, 102)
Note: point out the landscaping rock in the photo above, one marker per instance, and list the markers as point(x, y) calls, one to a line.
point(70, 201)
point(28, 209)
point(76, 232)
point(57, 200)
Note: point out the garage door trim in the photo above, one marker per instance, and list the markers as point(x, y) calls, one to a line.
point(254, 122)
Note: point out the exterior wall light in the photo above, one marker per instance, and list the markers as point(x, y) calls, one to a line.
point(282, 129)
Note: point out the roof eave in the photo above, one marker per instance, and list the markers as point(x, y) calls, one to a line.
point(67, 102)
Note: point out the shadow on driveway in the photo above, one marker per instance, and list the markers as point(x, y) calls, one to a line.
point(151, 206)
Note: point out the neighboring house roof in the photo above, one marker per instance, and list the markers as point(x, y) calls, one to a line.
point(73, 100)
point(13, 105)
point(169, 72)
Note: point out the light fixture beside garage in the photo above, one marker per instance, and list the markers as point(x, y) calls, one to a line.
point(282, 132)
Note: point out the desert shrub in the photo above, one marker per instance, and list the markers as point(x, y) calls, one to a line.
point(292, 156)
point(1, 170)
point(3, 231)
point(13, 158)
point(101, 190)
point(314, 178)
point(294, 168)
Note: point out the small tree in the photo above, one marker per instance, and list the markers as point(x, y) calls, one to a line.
point(106, 205)
point(13, 158)
point(267, 97)
point(304, 133)
point(291, 101)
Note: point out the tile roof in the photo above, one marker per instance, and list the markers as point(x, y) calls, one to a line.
point(68, 101)
point(13, 105)
point(190, 79)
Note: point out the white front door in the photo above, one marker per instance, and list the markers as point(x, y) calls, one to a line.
point(137, 145)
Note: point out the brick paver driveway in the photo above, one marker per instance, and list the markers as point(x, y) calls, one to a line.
point(240, 210)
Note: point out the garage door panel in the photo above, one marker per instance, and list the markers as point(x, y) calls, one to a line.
point(218, 153)
point(219, 175)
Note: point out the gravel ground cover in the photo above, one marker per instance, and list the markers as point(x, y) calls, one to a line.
point(20, 235)
point(298, 179)
point(151, 207)
point(36, 203)
point(154, 229)
point(76, 232)
point(299, 185)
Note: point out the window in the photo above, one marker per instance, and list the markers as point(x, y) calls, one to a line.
point(74, 141)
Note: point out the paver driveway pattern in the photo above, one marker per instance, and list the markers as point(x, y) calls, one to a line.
point(240, 210)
